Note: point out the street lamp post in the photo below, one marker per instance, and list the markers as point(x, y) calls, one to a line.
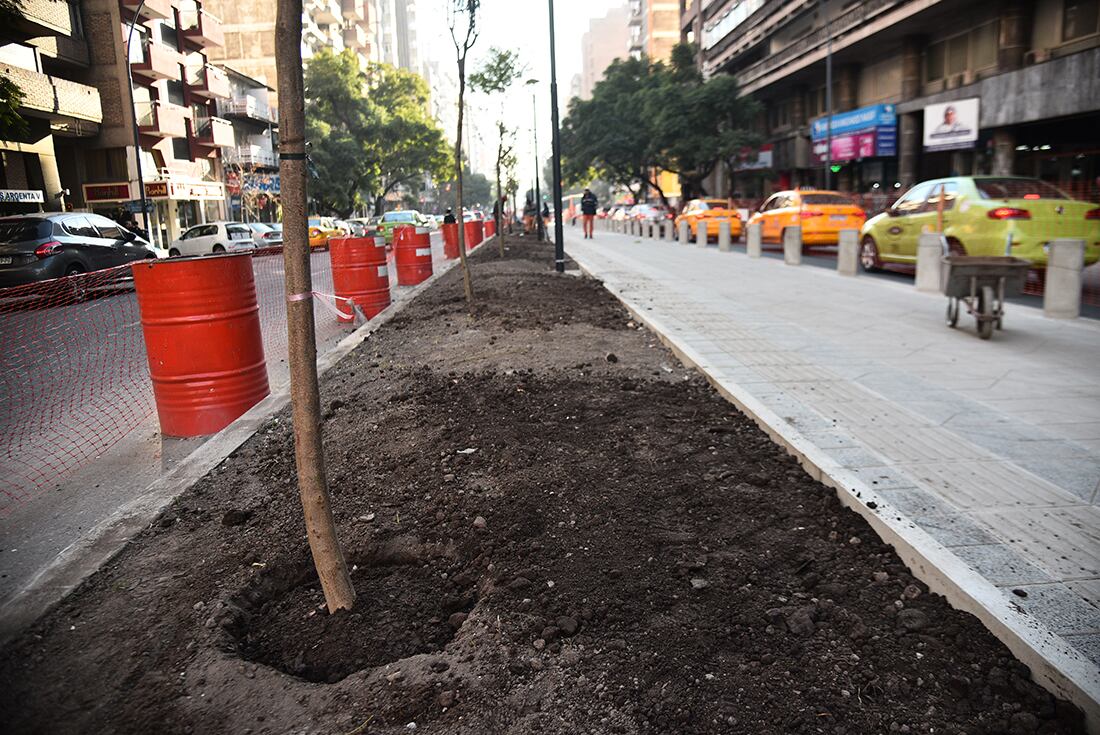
point(559, 236)
point(133, 112)
point(539, 225)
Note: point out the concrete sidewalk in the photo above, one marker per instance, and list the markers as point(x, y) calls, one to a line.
point(984, 457)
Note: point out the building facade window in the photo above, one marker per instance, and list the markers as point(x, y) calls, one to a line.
point(1079, 19)
point(973, 51)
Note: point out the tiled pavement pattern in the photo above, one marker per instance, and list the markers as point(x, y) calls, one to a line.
point(993, 448)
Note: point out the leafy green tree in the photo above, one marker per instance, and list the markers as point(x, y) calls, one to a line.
point(370, 133)
point(647, 117)
point(477, 190)
point(12, 124)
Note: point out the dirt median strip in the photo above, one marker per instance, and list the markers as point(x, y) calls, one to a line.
point(555, 527)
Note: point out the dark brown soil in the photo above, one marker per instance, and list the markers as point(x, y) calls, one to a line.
point(555, 528)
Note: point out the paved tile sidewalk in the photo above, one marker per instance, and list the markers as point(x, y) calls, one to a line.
point(992, 448)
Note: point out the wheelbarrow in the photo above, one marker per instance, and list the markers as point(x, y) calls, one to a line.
point(982, 283)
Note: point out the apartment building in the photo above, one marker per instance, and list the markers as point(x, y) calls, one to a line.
point(921, 88)
point(654, 28)
point(46, 54)
point(608, 38)
point(250, 33)
point(251, 163)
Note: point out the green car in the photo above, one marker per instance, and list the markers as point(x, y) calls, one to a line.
point(390, 220)
point(982, 215)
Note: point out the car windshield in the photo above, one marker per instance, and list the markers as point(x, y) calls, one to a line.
point(1017, 189)
point(398, 217)
point(277, 227)
point(18, 230)
point(825, 199)
point(714, 203)
point(259, 227)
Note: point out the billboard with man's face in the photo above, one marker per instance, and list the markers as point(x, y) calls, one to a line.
point(951, 125)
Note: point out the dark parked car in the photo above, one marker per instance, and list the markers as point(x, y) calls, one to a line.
point(37, 247)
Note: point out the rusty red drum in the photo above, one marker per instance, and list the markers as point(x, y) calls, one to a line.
point(201, 323)
point(413, 255)
point(360, 273)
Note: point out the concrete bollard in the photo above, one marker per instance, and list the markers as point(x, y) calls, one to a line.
point(702, 233)
point(724, 235)
point(649, 230)
point(930, 252)
point(847, 255)
point(685, 232)
point(753, 240)
point(792, 245)
point(1062, 290)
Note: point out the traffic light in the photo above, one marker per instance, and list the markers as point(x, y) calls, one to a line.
point(835, 168)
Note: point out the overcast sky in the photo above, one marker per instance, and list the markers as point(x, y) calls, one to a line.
point(523, 26)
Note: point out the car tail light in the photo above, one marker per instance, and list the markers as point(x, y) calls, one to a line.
point(1092, 214)
point(807, 214)
point(1009, 213)
point(860, 214)
point(47, 249)
point(271, 235)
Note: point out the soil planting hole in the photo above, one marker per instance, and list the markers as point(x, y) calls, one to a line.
point(403, 608)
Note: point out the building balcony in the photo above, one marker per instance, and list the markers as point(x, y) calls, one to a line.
point(151, 10)
point(353, 10)
point(325, 12)
point(208, 81)
point(155, 61)
point(44, 18)
point(250, 156)
point(213, 132)
point(200, 28)
point(248, 108)
point(67, 105)
point(161, 119)
point(66, 49)
point(355, 37)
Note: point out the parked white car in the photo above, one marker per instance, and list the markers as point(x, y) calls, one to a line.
point(213, 237)
point(265, 235)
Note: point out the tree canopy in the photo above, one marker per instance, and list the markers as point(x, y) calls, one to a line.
point(369, 132)
point(646, 117)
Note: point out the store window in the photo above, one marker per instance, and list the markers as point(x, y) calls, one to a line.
point(1080, 19)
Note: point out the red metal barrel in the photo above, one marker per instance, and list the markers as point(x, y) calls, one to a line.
point(450, 241)
point(479, 233)
point(471, 234)
point(202, 336)
point(413, 254)
point(360, 273)
point(490, 228)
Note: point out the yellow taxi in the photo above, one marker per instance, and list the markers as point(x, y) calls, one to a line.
point(321, 229)
point(711, 211)
point(822, 215)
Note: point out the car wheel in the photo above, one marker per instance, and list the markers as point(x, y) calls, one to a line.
point(954, 247)
point(219, 248)
point(869, 259)
point(174, 253)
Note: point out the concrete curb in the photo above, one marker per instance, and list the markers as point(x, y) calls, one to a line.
point(102, 543)
point(1054, 664)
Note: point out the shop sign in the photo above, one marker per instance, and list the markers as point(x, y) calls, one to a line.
point(157, 189)
point(196, 190)
point(106, 192)
point(869, 132)
point(762, 160)
point(21, 196)
point(267, 183)
point(863, 120)
point(951, 126)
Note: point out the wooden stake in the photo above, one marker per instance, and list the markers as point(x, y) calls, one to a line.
point(305, 397)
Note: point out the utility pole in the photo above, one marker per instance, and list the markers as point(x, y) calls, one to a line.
point(559, 235)
point(828, 96)
point(133, 112)
point(305, 397)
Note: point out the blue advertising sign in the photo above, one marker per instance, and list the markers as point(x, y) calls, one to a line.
point(863, 120)
point(266, 183)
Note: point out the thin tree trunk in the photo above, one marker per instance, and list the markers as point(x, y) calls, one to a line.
point(498, 210)
point(467, 286)
point(302, 345)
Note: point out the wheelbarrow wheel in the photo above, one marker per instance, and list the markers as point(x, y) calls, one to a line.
point(986, 320)
point(952, 312)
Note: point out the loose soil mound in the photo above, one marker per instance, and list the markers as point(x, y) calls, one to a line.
point(556, 529)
